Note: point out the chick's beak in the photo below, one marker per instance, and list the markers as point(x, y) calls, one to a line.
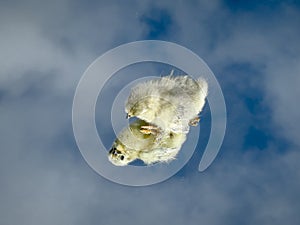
point(127, 116)
point(113, 151)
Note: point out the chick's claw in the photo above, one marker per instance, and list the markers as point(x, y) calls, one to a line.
point(195, 121)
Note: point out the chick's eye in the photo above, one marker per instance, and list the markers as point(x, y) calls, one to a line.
point(122, 157)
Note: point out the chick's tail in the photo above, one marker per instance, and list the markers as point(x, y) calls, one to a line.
point(159, 155)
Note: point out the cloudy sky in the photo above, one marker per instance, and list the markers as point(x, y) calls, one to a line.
point(253, 48)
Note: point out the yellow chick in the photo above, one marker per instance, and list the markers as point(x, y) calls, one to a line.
point(168, 104)
point(131, 144)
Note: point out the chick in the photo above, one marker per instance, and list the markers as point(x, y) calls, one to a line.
point(168, 104)
point(131, 144)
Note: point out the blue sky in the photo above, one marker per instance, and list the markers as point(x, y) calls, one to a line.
point(252, 47)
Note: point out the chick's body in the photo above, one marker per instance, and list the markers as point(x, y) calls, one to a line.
point(131, 144)
point(169, 103)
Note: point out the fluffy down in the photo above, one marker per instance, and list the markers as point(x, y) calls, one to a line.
point(171, 103)
point(131, 144)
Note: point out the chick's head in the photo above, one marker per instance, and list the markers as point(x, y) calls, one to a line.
point(119, 155)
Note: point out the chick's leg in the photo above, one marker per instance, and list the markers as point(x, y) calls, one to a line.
point(195, 121)
point(150, 129)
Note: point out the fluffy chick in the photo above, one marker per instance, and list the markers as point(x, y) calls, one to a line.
point(170, 103)
point(131, 144)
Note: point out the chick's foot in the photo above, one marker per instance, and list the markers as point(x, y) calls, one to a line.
point(195, 121)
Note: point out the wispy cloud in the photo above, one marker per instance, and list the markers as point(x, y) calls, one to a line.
point(254, 53)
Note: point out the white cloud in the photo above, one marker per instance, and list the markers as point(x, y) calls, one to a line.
point(44, 180)
point(283, 92)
